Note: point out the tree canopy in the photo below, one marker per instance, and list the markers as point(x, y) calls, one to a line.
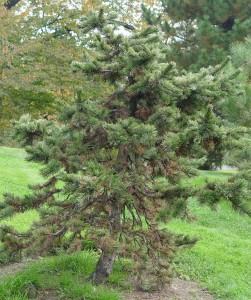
point(201, 32)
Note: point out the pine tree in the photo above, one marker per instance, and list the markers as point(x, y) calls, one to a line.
point(201, 32)
point(113, 165)
point(238, 111)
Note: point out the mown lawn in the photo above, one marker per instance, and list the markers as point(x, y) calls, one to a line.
point(220, 260)
point(15, 176)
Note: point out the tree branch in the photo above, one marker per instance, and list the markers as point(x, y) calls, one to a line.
point(10, 3)
point(125, 25)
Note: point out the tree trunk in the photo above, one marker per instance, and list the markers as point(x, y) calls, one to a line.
point(103, 268)
point(9, 4)
point(205, 168)
point(106, 261)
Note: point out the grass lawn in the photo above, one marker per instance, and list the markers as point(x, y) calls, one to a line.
point(15, 176)
point(220, 261)
point(67, 275)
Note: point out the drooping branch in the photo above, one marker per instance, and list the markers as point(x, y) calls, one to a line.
point(125, 25)
point(10, 3)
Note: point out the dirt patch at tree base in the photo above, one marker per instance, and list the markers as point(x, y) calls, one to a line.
point(47, 295)
point(179, 290)
point(7, 270)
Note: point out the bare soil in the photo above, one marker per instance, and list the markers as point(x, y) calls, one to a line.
point(13, 268)
point(179, 290)
point(48, 295)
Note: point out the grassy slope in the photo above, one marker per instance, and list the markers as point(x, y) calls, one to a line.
point(221, 260)
point(15, 176)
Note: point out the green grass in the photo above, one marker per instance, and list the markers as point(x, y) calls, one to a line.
point(15, 176)
point(67, 275)
point(204, 176)
point(16, 173)
point(220, 260)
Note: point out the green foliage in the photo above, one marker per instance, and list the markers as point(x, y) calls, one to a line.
point(38, 42)
point(203, 33)
point(241, 155)
point(103, 157)
point(238, 110)
point(235, 191)
point(200, 32)
point(241, 56)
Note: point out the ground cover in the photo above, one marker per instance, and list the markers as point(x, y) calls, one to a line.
point(15, 176)
point(16, 173)
point(220, 260)
point(62, 277)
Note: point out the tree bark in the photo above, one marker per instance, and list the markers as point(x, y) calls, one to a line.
point(103, 268)
point(106, 261)
point(10, 3)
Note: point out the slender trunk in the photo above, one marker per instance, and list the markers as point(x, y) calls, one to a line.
point(103, 268)
point(106, 261)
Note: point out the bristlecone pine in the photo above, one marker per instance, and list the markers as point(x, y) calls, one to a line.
point(113, 164)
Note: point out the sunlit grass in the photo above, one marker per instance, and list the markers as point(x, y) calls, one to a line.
point(68, 276)
point(15, 176)
point(221, 259)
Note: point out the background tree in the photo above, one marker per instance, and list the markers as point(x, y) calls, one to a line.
point(238, 111)
point(201, 32)
point(38, 41)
